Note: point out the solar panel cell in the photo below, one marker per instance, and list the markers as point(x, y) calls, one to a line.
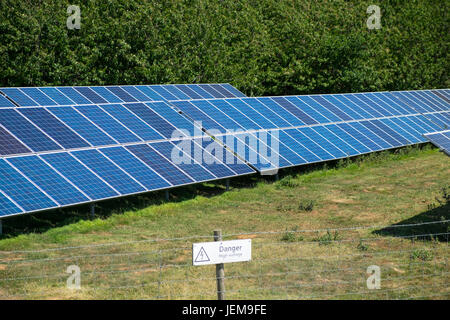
point(79, 175)
point(21, 190)
point(108, 171)
point(46, 178)
point(25, 131)
point(54, 128)
point(82, 126)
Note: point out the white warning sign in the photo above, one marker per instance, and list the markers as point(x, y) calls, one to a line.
point(221, 252)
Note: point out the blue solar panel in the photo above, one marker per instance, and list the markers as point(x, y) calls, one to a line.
point(410, 139)
point(310, 144)
point(163, 92)
point(377, 135)
point(344, 107)
point(122, 94)
point(82, 126)
point(19, 97)
point(341, 114)
point(215, 114)
point(332, 149)
point(267, 112)
point(54, 128)
point(25, 131)
point(16, 186)
point(151, 118)
point(80, 176)
point(212, 151)
point(251, 113)
point(135, 168)
point(191, 93)
point(201, 92)
point(48, 180)
point(38, 96)
point(8, 207)
point(294, 110)
point(348, 138)
point(307, 109)
point(108, 124)
point(108, 171)
point(222, 90)
point(172, 117)
point(74, 95)
point(285, 131)
point(320, 109)
point(90, 94)
point(164, 167)
point(238, 117)
point(106, 94)
point(233, 90)
point(57, 96)
point(175, 91)
point(5, 103)
point(10, 145)
point(135, 93)
point(196, 115)
point(441, 140)
point(336, 141)
point(150, 93)
point(132, 122)
point(360, 136)
point(183, 159)
point(211, 91)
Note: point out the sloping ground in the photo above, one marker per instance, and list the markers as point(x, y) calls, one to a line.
point(119, 258)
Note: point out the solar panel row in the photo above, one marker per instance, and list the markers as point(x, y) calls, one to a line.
point(40, 129)
point(65, 96)
point(391, 119)
point(441, 140)
point(67, 146)
point(47, 180)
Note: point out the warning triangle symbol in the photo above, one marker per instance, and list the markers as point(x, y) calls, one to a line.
point(202, 256)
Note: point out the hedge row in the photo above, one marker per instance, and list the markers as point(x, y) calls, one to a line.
point(264, 47)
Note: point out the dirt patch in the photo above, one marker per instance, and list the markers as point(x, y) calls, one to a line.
point(247, 236)
point(344, 201)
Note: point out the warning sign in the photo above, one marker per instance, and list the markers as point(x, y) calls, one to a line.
point(221, 252)
point(202, 256)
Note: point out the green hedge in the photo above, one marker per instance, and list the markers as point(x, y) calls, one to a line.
point(264, 47)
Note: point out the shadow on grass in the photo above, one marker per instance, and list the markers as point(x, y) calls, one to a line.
point(437, 212)
point(42, 221)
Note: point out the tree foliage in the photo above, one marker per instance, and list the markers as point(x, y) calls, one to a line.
point(264, 47)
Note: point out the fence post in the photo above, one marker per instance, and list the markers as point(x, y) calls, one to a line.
point(1, 227)
point(220, 271)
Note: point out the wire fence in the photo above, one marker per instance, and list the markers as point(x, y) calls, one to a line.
point(372, 262)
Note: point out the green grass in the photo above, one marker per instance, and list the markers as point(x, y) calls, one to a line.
point(382, 189)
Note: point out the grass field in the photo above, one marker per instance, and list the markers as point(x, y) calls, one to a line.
point(119, 258)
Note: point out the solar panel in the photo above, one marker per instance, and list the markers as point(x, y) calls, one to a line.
point(65, 96)
point(307, 129)
point(62, 146)
point(56, 156)
point(441, 140)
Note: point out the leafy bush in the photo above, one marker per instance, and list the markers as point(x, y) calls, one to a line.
point(265, 47)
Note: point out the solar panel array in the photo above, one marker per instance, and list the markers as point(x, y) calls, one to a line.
point(280, 132)
point(61, 146)
point(441, 140)
point(64, 96)
point(56, 156)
